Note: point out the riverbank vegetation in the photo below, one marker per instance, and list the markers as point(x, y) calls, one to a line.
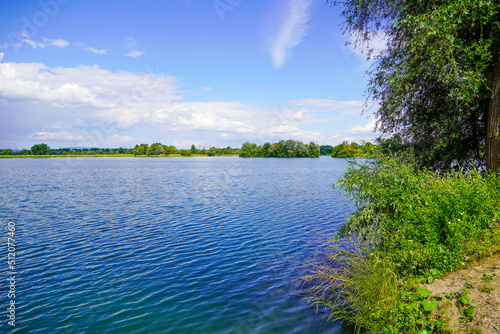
point(411, 226)
point(429, 204)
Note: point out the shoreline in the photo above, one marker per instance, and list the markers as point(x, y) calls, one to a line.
point(109, 156)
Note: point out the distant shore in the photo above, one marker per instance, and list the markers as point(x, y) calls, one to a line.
point(109, 156)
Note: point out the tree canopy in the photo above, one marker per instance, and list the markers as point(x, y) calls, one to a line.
point(438, 80)
point(283, 149)
point(40, 149)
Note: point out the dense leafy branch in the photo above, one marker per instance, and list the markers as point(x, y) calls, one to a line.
point(434, 80)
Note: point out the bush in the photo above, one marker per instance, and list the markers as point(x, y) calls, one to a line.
point(420, 219)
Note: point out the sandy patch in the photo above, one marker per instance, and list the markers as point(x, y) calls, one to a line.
point(482, 281)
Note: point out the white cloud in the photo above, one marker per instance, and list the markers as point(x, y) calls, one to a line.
point(97, 51)
point(206, 89)
point(34, 44)
point(116, 139)
point(1, 56)
point(26, 41)
point(328, 105)
point(292, 31)
point(56, 42)
point(88, 86)
point(362, 129)
point(60, 135)
point(131, 42)
point(135, 54)
point(83, 138)
point(92, 105)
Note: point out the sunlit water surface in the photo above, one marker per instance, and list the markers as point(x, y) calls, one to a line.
point(166, 245)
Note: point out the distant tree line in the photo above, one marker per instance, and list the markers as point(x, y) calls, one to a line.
point(282, 149)
point(155, 149)
point(44, 149)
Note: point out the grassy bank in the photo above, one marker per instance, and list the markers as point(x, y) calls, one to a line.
point(411, 226)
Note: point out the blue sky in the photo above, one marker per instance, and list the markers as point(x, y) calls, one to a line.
point(218, 72)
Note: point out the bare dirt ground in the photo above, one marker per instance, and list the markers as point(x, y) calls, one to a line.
point(482, 281)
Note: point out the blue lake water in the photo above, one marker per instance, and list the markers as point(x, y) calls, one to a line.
point(166, 245)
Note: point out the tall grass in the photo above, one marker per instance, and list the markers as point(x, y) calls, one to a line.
point(357, 285)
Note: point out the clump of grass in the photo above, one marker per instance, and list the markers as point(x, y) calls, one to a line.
point(359, 287)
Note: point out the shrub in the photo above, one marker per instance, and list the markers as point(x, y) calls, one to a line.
point(420, 219)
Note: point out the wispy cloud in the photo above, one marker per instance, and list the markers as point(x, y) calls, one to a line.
point(56, 42)
point(328, 105)
point(206, 89)
point(96, 51)
point(117, 105)
point(131, 42)
point(135, 54)
point(292, 31)
point(25, 41)
point(1, 56)
point(34, 44)
point(362, 129)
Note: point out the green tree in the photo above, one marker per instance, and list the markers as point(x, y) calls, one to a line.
point(40, 149)
point(438, 81)
point(326, 149)
point(169, 149)
point(193, 149)
point(248, 150)
point(345, 150)
point(155, 149)
point(185, 153)
point(141, 149)
point(314, 150)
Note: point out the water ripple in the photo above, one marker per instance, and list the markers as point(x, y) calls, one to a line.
point(168, 245)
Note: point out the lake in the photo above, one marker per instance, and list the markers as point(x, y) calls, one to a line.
point(166, 245)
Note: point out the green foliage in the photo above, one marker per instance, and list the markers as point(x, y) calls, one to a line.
point(358, 286)
point(325, 150)
point(433, 81)
point(40, 149)
point(169, 149)
point(155, 149)
point(421, 219)
point(213, 151)
point(345, 150)
point(282, 149)
point(185, 153)
point(354, 150)
point(361, 287)
point(141, 149)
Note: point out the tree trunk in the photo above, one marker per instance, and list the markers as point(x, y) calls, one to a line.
point(493, 124)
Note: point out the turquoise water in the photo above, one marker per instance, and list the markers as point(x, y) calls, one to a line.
point(166, 245)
